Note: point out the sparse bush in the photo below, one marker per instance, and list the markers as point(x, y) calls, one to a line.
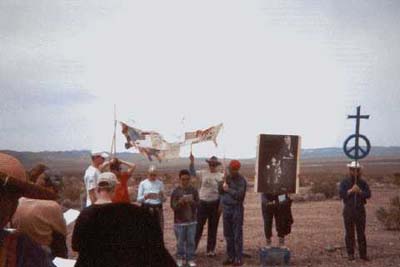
point(390, 217)
point(396, 178)
point(327, 187)
point(73, 187)
point(304, 180)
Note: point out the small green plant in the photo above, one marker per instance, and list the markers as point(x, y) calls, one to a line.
point(390, 217)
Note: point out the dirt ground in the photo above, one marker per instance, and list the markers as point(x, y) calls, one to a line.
point(317, 225)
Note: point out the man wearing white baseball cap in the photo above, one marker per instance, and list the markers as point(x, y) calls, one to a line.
point(355, 191)
point(109, 234)
point(91, 175)
point(106, 188)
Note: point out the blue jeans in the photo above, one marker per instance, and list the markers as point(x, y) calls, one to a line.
point(185, 241)
point(233, 231)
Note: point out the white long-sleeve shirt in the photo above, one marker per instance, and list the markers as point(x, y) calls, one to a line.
point(146, 187)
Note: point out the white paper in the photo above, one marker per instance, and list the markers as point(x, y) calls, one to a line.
point(71, 215)
point(60, 262)
point(281, 198)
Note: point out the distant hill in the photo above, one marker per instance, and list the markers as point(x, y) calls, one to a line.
point(76, 161)
point(335, 152)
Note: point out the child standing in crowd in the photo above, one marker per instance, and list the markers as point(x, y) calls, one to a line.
point(184, 202)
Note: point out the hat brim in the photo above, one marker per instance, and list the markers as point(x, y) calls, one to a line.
point(213, 162)
point(27, 189)
point(354, 167)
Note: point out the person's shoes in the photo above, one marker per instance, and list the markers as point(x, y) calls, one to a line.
point(179, 262)
point(351, 258)
point(365, 258)
point(269, 243)
point(227, 261)
point(192, 264)
point(238, 263)
point(211, 254)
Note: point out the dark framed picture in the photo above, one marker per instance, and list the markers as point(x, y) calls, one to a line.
point(277, 164)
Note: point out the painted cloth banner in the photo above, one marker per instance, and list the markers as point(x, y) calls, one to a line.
point(132, 135)
point(209, 134)
point(150, 144)
point(172, 152)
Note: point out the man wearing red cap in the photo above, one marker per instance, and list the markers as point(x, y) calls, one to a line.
point(233, 192)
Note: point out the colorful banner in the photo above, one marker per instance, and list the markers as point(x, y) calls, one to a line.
point(209, 134)
point(150, 144)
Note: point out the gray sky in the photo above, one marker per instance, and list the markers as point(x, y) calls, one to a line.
point(288, 67)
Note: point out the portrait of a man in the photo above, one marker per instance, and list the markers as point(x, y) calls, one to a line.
point(277, 163)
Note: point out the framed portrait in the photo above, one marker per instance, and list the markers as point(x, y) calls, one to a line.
point(277, 164)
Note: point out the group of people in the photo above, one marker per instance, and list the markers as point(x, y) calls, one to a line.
point(113, 230)
point(192, 207)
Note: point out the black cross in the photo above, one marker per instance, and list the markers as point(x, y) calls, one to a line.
point(358, 117)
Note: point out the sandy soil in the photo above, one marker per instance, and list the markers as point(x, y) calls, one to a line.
point(317, 225)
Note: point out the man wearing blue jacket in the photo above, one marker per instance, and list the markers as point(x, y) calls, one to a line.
point(233, 192)
point(355, 191)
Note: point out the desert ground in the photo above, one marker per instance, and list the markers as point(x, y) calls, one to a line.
point(317, 225)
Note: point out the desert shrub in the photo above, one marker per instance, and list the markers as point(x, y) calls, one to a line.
point(328, 187)
point(73, 188)
point(396, 178)
point(390, 217)
point(304, 180)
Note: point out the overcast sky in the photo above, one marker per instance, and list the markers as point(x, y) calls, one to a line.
point(287, 67)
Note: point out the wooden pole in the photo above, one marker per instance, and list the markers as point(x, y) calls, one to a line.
point(113, 150)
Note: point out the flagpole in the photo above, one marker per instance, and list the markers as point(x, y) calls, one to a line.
point(115, 130)
point(113, 151)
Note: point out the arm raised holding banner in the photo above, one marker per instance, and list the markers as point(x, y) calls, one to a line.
point(192, 169)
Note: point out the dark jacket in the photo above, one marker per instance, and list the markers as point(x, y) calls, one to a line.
point(236, 193)
point(184, 212)
point(354, 200)
point(119, 234)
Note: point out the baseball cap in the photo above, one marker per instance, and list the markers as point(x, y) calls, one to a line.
point(102, 154)
point(107, 179)
point(234, 164)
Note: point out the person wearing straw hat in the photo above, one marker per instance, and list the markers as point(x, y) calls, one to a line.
point(91, 175)
point(209, 201)
point(17, 249)
point(118, 234)
point(233, 193)
point(354, 191)
point(151, 194)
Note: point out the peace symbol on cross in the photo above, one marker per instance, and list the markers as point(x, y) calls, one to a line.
point(357, 151)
